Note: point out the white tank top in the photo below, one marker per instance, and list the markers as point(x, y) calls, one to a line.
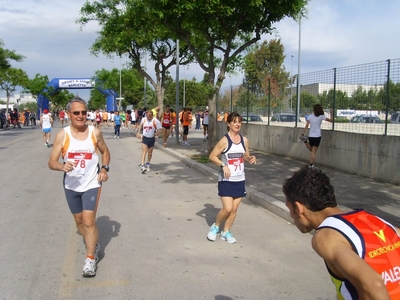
point(86, 161)
point(206, 117)
point(46, 121)
point(233, 157)
point(150, 127)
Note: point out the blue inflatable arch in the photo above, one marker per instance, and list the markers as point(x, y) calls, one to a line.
point(77, 83)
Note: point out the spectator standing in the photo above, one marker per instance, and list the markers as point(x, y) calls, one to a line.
point(206, 120)
point(32, 118)
point(26, 117)
point(15, 118)
point(3, 119)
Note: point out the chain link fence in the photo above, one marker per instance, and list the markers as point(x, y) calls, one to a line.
point(362, 99)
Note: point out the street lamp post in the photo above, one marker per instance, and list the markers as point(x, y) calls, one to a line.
point(120, 86)
point(291, 83)
point(184, 85)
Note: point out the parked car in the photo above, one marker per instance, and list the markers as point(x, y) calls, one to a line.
point(395, 118)
point(252, 118)
point(284, 117)
point(365, 119)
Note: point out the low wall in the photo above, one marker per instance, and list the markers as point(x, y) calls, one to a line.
point(373, 156)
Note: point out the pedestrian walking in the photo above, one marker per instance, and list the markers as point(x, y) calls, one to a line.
point(117, 120)
point(233, 148)
point(313, 140)
point(361, 251)
point(78, 145)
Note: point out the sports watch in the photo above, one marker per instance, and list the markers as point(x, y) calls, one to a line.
point(223, 165)
point(105, 167)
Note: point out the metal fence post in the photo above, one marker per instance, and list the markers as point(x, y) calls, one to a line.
point(334, 99)
point(387, 97)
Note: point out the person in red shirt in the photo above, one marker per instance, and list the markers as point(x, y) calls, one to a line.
point(62, 116)
point(166, 121)
point(360, 250)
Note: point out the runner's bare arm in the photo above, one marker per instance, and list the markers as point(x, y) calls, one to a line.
point(54, 163)
point(216, 152)
point(345, 263)
point(247, 157)
point(105, 155)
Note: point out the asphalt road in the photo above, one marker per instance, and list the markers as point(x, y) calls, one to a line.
point(153, 231)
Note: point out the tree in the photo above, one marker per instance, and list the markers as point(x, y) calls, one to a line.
point(59, 99)
point(10, 79)
point(264, 69)
point(127, 29)
point(196, 93)
point(6, 56)
point(218, 32)
point(38, 85)
point(131, 87)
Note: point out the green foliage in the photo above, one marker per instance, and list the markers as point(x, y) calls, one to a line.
point(32, 106)
point(217, 32)
point(60, 98)
point(131, 88)
point(126, 29)
point(196, 94)
point(38, 85)
point(11, 78)
point(6, 56)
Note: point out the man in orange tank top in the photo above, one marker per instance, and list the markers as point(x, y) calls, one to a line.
point(361, 250)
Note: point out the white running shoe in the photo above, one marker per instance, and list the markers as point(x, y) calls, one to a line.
point(227, 236)
point(89, 267)
point(147, 167)
point(143, 169)
point(212, 234)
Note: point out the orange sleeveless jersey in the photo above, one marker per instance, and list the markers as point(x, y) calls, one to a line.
point(375, 241)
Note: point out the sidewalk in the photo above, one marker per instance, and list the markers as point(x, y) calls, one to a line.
point(264, 180)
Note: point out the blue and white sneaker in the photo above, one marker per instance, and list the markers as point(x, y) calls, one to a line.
point(212, 234)
point(227, 236)
point(148, 167)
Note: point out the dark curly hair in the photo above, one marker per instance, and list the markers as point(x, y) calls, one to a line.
point(310, 187)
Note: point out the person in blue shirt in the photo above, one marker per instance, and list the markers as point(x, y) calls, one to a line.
point(117, 124)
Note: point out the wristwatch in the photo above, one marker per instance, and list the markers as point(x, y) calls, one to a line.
point(105, 167)
point(223, 165)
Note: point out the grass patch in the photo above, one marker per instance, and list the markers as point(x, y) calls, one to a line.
point(201, 158)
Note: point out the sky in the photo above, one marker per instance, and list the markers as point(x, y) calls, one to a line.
point(335, 33)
